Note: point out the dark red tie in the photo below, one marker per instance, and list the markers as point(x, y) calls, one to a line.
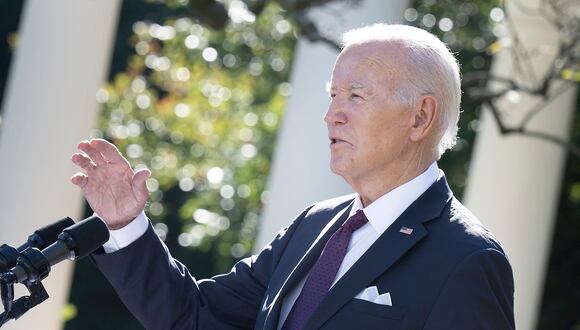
point(323, 273)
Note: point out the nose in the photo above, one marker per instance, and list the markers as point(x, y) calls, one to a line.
point(335, 114)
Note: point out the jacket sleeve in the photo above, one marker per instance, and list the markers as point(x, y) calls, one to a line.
point(479, 294)
point(162, 294)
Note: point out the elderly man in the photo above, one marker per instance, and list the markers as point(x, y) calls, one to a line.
point(401, 253)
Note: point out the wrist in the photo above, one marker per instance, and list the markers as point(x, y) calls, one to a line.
point(127, 235)
point(117, 224)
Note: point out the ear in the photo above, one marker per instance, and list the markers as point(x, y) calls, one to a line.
point(424, 118)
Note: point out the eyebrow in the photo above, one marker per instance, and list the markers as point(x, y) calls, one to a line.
point(362, 89)
point(353, 86)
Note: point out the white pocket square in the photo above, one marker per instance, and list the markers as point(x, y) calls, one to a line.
point(371, 294)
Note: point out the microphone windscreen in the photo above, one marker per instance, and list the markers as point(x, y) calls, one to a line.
point(88, 235)
point(49, 234)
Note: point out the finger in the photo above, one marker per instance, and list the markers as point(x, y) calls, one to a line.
point(83, 161)
point(108, 150)
point(80, 179)
point(139, 186)
point(95, 156)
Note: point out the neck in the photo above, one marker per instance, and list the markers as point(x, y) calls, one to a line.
point(371, 186)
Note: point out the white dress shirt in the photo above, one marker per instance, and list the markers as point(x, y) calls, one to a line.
point(120, 238)
point(381, 214)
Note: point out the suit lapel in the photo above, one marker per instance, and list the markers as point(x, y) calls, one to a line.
point(389, 248)
point(376, 260)
point(304, 265)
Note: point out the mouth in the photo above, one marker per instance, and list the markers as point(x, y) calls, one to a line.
point(336, 141)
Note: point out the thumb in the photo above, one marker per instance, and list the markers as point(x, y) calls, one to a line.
point(138, 184)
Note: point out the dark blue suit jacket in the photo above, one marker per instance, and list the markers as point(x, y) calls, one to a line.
point(449, 273)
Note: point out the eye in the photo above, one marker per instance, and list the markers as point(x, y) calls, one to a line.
point(356, 96)
point(332, 95)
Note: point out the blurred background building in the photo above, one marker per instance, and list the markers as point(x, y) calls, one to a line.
point(224, 101)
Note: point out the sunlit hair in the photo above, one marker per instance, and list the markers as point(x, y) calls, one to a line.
point(431, 69)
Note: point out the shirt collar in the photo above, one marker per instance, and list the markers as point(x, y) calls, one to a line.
point(386, 209)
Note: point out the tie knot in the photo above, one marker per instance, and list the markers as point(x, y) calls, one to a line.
point(356, 221)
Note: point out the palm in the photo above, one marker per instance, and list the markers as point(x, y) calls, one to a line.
point(110, 194)
point(112, 189)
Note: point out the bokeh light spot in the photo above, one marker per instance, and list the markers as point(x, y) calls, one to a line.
point(250, 119)
point(209, 54)
point(429, 20)
point(182, 110)
point(152, 184)
point(215, 175)
point(445, 24)
point(282, 26)
point(192, 41)
point(244, 191)
point(496, 15)
point(410, 14)
point(186, 184)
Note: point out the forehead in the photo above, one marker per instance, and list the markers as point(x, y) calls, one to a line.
point(367, 63)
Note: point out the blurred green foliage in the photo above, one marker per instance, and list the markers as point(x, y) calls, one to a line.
point(201, 108)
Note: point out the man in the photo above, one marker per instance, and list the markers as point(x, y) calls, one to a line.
point(401, 253)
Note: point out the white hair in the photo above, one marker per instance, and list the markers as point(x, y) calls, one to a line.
point(431, 69)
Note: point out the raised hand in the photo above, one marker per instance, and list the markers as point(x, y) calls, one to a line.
point(114, 191)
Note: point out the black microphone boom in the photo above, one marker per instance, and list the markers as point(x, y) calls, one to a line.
point(75, 242)
point(40, 239)
point(33, 265)
point(46, 235)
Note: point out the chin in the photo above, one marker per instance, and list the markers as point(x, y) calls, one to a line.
point(337, 167)
point(333, 167)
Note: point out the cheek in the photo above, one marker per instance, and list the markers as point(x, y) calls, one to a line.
point(385, 136)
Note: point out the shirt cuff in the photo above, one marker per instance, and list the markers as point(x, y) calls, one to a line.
point(121, 238)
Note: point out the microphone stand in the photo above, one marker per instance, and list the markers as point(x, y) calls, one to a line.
point(33, 265)
point(36, 267)
point(23, 304)
point(8, 257)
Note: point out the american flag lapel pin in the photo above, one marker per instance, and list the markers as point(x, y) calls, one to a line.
point(406, 230)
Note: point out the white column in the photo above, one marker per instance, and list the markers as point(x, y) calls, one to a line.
point(514, 181)
point(61, 61)
point(300, 172)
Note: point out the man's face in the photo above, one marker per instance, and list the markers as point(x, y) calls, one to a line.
point(367, 126)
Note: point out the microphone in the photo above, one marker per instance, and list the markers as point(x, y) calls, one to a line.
point(40, 239)
point(75, 242)
point(46, 235)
